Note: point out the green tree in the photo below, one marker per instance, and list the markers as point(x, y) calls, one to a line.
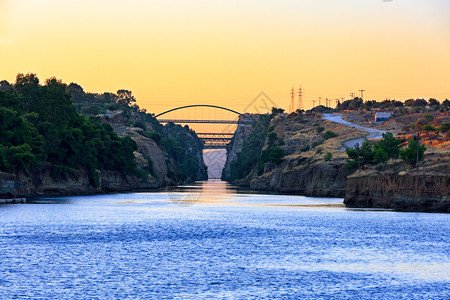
point(360, 155)
point(410, 153)
point(388, 144)
point(276, 154)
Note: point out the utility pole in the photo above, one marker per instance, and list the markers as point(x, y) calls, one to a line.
point(326, 102)
point(362, 91)
point(417, 157)
point(319, 100)
point(314, 103)
point(359, 159)
point(352, 95)
point(300, 100)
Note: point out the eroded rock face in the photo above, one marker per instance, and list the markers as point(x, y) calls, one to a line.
point(309, 177)
point(409, 192)
point(241, 134)
point(41, 182)
point(147, 148)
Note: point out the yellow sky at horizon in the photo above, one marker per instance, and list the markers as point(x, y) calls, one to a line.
point(178, 52)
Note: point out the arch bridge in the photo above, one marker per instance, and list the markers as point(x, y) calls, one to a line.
point(211, 139)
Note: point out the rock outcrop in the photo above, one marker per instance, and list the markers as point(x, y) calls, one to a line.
point(310, 177)
point(235, 146)
point(41, 182)
point(303, 170)
point(402, 191)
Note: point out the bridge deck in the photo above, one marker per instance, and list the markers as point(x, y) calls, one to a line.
point(185, 121)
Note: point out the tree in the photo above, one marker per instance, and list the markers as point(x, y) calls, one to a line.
point(29, 89)
point(5, 85)
point(409, 102)
point(125, 98)
point(276, 111)
point(388, 144)
point(420, 102)
point(276, 154)
point(412, 152)
point(360, 156)
point(433, 102)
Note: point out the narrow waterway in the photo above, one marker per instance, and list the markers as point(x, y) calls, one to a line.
point(211, 240)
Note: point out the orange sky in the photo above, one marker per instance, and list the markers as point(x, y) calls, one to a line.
point(173, 52)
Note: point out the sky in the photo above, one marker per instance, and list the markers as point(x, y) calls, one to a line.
point(173, 52)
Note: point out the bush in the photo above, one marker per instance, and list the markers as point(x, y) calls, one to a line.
point(271, 137)
point(444, 128)
point(328, 156)
point(154, 136)
point(305, 148)
point(428, 127)
point(140, 125)
point(276, 154)
point(90, 110)
point(329, 134)
point(320, 129)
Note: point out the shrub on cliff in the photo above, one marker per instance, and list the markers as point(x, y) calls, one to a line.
point(410, 153)
point(378, 152)
point(329, 134)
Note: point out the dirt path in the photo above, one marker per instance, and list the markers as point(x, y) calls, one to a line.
point(373, 133)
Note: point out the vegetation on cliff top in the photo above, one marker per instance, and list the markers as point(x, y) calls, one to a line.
point(380, 152)
point(39, 124)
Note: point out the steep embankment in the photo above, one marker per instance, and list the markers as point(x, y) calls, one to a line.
point(402, 191)
point(172, 154)
point(310, 164)
point(407, 190)
point(47, 147)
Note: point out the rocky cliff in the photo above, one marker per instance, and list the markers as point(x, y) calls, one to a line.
point(304, 176)
point(402, 191)
point(305, 168)
point(158, 168)
point(241, 134)
point(41, 181)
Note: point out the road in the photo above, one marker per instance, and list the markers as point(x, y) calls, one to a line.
point(373, 133)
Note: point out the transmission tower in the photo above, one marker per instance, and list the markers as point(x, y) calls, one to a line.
point(300, 100)
point(291, 107)
point(362, 91)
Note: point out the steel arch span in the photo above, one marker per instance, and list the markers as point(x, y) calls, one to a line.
point(204, 105)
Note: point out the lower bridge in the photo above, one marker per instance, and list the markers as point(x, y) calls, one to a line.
point(215, 140)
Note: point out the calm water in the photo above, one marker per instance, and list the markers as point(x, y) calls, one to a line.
point(209, 241)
